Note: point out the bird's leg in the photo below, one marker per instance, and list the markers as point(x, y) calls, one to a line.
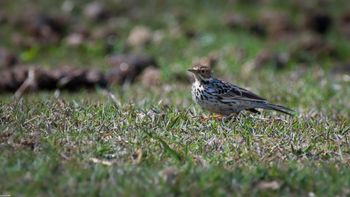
point(217, 116)
point(212, 117)
point(233, 117)
point(204, 118)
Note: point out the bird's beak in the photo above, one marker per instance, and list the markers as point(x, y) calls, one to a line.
point(191, 70)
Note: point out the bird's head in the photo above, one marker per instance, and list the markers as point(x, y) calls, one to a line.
point(201, 72)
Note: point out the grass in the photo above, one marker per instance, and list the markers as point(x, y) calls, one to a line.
point(154, 143)
point(82, 146)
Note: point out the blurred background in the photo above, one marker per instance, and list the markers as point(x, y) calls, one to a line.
point(78, 44)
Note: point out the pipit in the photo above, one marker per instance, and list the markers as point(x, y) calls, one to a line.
point(224, 98)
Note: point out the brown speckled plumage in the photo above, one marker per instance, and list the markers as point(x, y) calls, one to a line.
point(224, 98)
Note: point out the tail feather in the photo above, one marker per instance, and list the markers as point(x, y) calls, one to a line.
point(279, 108)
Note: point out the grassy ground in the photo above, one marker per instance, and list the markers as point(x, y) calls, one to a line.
point(153, 141)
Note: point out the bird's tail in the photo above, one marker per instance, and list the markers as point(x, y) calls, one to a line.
point(279, 108)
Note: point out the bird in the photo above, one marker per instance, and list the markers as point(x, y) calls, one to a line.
point(224, 98)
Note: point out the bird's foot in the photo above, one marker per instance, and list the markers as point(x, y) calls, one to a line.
point(217, 117)
point(212, 117)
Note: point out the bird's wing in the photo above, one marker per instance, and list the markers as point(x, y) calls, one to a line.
point(234, 92)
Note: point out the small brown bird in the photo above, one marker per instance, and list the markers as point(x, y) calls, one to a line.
point(224, 98)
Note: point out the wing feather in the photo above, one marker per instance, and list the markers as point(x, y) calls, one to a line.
point(234, 92)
